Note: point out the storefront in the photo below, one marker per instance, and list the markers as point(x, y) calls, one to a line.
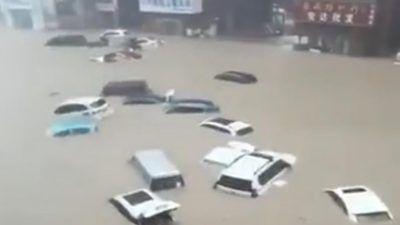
point(352, 27)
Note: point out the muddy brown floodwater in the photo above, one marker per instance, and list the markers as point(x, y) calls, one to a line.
point(338, 115)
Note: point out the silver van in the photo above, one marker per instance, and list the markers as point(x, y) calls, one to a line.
point(157, 170)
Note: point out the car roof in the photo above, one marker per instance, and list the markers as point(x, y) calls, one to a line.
point(81, 100)
point(72, 122)
point(247, 166)
point(156, 163)
point(221, 120)
point(361, 202)
point(223, 156)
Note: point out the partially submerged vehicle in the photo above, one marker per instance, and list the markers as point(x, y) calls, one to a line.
point(69, 40)
point(225, 155)
point(187, 105)
point(148, 42)
point(126, 88)
point(70, 126)
point(159, 172)
point(237, 77)
point(360, 203)
point(112, 33)
point(190, 106)
point(232, 127)
point(115, 56)
point(85, 106)
point(144, 207)
point(250, 173)
point(148, 99)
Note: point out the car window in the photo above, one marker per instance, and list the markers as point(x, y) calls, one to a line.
point(62, 133)
point(81, 130)
point(166, 183)
point(353, 190)
point(70, 108)
point(138, 197)
point(272, 171)
point(63, 109)
point(222, 121)
point(244, 131)
point(98, 103)
point(216, 128)
point(373, 217)
point(235, 183)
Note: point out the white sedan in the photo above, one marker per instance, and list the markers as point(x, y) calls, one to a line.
point(85, 106)
point(143, 206)
point(232, 127)
point(360, 203)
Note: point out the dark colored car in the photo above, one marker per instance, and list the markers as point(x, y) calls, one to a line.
point(191, 106)
point(76, 40)
point(238, 77)
point(148, 99)
point(126, 88)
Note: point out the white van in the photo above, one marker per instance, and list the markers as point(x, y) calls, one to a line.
point(157, 170)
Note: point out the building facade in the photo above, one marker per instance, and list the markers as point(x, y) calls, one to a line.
point(63, 14)
point(351, 27)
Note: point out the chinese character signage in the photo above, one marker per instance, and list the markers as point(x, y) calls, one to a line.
point(344, 13)
point(171, 6)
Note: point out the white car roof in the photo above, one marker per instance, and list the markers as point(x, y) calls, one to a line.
point(233, 125)
point(156, 163)
point(238, 125)
point(227, 154)
point(223, 155)
point(360, 202)
point(246, 167)
point(147, 208)
point(80, 100)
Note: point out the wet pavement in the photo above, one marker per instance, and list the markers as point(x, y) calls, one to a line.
point(338, 115)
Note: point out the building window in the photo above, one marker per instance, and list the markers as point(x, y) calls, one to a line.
point(66, 7)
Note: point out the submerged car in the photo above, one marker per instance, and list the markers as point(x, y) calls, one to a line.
point(126, 88)
point(148, 42)
point(360, 203)
point(147, 99)
point(70, 126)
point(236, 76)
point(159, 172)
point(190, 106)
point(144, 207)
point(187, 105)
point(84, 106)
point(68, 40)
point(251, 174)
point(232, 127)
point(111, 33)
point(225, 155)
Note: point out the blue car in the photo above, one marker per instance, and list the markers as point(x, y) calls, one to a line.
point(73, 126)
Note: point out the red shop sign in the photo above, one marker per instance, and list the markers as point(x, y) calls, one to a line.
point(336, 12)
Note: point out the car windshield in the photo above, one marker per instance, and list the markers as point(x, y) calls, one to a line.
point(138, 197)
point(245, 131)
point(98, 103)
point(222, 121)
point(166, 183)
point(353, 190)
point(235, 183)
point(373, 217)
point(274, 170)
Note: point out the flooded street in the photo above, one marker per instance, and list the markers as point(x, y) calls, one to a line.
point(338, 115)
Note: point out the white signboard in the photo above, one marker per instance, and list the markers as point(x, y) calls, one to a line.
point(171, 6)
